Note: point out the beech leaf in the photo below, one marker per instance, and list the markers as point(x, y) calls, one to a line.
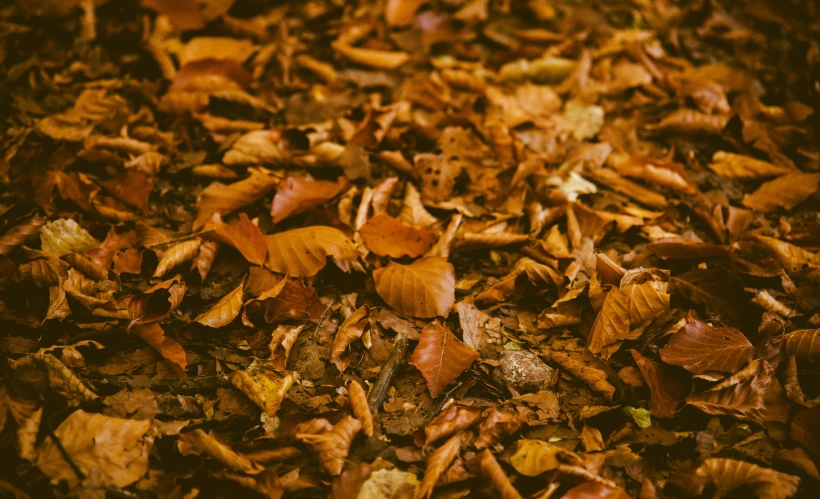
point(303, 252)
point(356, 324)
point(224, 311)
point(386, 236)
point(611, 325)
point(177, 255)
point(243, 235)
point(425, 288)
point(699, 348)
point(720, 292)
point(784, 192)
point(223, 199)
point(441, 357)
point(297, 195)
point(730, 474)
point(803, 343)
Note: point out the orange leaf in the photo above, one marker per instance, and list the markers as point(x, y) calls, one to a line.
point(176, 255)
point(333, 446)
point(454, 419)
point(596, 490)
point(303, 252)
point(356, 324)
point(243, 235)
point(612, 324)
point(666, 387)
point(381, 59)
point(386, 236)
point(198, 442)
point(699, 347)
point(425, 288)
point(804, 343)
point(298, 194)
point(131, 188)
point(786, 192)
point(223, 199)
point(157, 302)
point(358, 401)
point(169, 348)
point(440, 357)
point(437, 464)
point(498, 479)
point(224, 311)
point(498, 426)
point(294, 300)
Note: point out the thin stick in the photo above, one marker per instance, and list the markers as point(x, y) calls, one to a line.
point(183, 238)
point(76, 469)
point(388, 372)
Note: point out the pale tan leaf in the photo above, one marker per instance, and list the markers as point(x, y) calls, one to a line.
point(361, 409)
point(792, 258)
point(224, 311)
point(440, 357)
point(110, 452)
point(437, 464)
point(356, 324)
point(264, 387)
point(176, 255)
point(198, 443)
point(303, 252)
point(738, 166)
point(65, 236)
point(386, 236)
point(389, 484)
point(784, 192)
point(223, 199)
point(381, 59)
point(332, 446)
point(281, 343)
point(425, 288)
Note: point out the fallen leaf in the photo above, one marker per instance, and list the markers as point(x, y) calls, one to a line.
point(597, 490)
point(401, 12)
point(65, 236)
point(386, 236)
point(381, 59)
point(437, 464)
point(295, 300)
point(533, 457)
point(667, 387)
point(224, 311)
point(611, 325)
point(389, 484)
point(738, 166)
point(176, 255)
point(699, 348)
point(803, 343)
point(360, 406)
point(132, 188)
point(425, 288)
point(243, 235)
point(440, 357)
point(786, 192)
point(497, 427)
point(265, 388)
point(198, 442)
point(281, 343)
point(729, 474)
point(110, 452)
point(452, 420)
point(296, 195)
point(332, 446)
point(498, 479)
point(224, 199)
point(303, 252)
point(720, 292)
point(170, 349)
point(356, 325)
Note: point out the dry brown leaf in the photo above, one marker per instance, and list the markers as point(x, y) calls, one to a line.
point(666, 386)
point(177, 255)
point(699, 347)
point(738, 166)
point(170, 349)
point(690, 122)
point(720, 292)
point(198, 443)
point(386, 236)
point(264, 387)
point(441, 357)
point(303, 252)
point(297, 195)
point(803, 343)
point(381, 59)
point(223, 199)
point(729, 474)
point(110, 452)
point(437, 464)
point(92, 107)
point(243, 235)
point(791, 257)
point(594, 378)
point(281, 343)
point(752, 394)
point(413, 211)
point(361, 409)
point(425, 288)
point(438, 175)
point(534, 457)
point(453, 420)
point(646, 301)
point(224, 311)
point(611, 326)
point(401, 12)
point(295, 300)
point(678, 248)
point(356, 325)
point(786, 192)
point(332, 446)
point(498, 479)
point(22, 230)
point(64, 236)
point(497, 427)
point(132, 188)
point(157, 302)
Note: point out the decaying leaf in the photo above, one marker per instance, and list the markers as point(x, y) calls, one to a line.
point(332, 446)
point(281, 343)
point(265, 388)
point(667, 387)
point(425, 288)
point(390, 484)
point(612, 324)
point(354, 327)
point(441, 357)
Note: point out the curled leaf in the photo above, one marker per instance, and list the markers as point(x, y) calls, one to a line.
point(361, 409)
point(498, 426)
point(224, 311)
point(303, 252)
point(223, 199)
point(803, 343)
point(454, 419)
point(297, 195)
point(332, 446)
point(177, 255)
point(265, 388)
point(243, 235)
point(356, 324)
point(198, 442)
point(437, 464)
point(498, 479)
point(786, 192)
point(282, 341)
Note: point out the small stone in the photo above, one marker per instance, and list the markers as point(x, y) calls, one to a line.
point(523, 372)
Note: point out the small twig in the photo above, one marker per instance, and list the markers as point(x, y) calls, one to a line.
point(443, 402)
point(319, 324)
point(183, 238)
point(388, 372)
point(76, 469)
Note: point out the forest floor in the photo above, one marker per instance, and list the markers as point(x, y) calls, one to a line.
point(409, 248)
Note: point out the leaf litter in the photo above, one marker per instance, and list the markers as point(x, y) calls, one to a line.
point(400, 249)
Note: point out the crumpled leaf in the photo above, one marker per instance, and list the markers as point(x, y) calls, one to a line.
point(612, 324)
point(303, 252)
point(791, 257)
point(264, 387)
point(454, 419)
point(354, 327)
point(224, 311)
point(425, 288)
point(223, 199)
point(243, 235)
point(587, 120)
point(498, 426)
point(93, 106)
point(641, 417)
point(64, 236)
point(390, 484)
point(437, 464)
point(729, 474)
point(699, 347)
point(110, 452)
point(360, 406)
point(752, 394)
point(296, 195)
point(441, 357)
point(332, 446)
point(169, 348)
point(594, 378)
point(496, 476)
point(198, 442)
point(666, 386)
point(533, 457)
point(786, 192)
point(281, 343)
point(386, 236)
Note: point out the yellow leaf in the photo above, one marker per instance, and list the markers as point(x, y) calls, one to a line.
point(265, 388)
point(534, 457)
point(176, 255)
point(225, 310)
point(303, 252)
point(742, 167)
